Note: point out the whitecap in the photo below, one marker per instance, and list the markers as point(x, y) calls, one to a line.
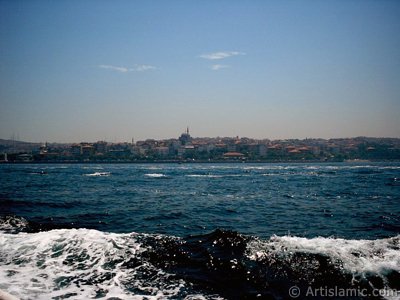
point(204, 176)
point(99, 174)
point(155, 175)
point(80, 264)
point(361, 258)
point(12, 224)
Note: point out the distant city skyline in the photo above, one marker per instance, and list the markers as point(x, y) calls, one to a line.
point(115, 70)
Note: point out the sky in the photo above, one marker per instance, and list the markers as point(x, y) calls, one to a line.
point(81, 70)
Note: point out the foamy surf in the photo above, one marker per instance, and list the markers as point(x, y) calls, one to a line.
point(88, 264)
point(370, 264)
point(99, 174)
point(80, 264)
point(204, 176)
point(361, 258)
point(155, 175)
point(6, 296)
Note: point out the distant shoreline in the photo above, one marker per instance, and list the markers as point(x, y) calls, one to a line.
point(201, 162)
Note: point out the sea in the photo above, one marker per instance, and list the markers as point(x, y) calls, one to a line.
point(200, 231)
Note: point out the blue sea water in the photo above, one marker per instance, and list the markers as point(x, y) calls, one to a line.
point(198, 231)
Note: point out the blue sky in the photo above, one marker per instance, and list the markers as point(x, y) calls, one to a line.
point(116, 70)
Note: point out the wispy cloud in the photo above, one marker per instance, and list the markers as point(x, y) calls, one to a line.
point(218, 67)
point(142, 68)
point(136, 68)
point(221, 55)
point(114, 68)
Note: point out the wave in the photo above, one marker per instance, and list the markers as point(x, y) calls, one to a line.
point(86, 264)
point(98, 174)
point(215, 175)
point(79, 264)
point(13, 224)
point(363, 263)
point(204, 176)
point(155, 175)
point(153, 168)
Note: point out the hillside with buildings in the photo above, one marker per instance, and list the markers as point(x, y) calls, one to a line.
point(186, 148)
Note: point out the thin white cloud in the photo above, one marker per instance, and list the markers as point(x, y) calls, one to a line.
point(137, 68)
point(114, 68)
point(142, 68)
point(221, 55)
point(218, 67)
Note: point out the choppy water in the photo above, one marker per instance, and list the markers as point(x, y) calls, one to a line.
point(199, 231)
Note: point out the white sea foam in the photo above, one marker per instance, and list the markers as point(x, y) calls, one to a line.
point(153, 168)
point(215, 175)
point(99, 174)
point(357, 257)
point(204, 176)
point(12, 224)
point(80, 263)
point(155, 175)
point(321, 167)
point(271, 174)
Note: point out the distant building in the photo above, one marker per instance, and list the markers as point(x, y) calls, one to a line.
point(100, 147)
point(162, 151)
point(233, 155)
point(44, 148)
point(262, 150)
point(174, 146)
point(76, 149)
point(185, 137)
point(87, 150)
point(231, 147)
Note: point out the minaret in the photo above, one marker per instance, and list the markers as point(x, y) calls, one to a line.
point(187, 130)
